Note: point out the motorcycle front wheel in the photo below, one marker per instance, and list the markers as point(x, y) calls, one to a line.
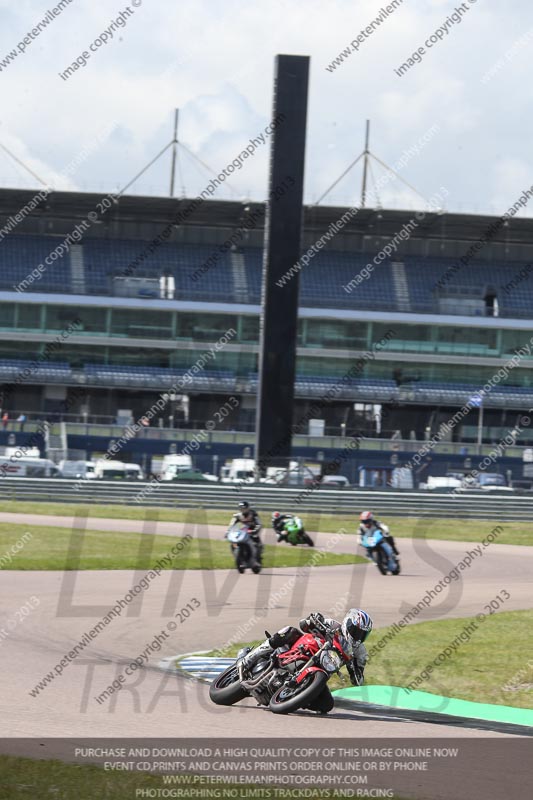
point(290, 698)
point(379, 560)
point(307, 540)
point(226, 689)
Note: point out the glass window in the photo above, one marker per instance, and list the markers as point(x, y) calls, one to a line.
point(7, 315)
point(250, 330)
point(142, 324)
point(514, 340)
point(336, 334)
point(204, 327)
point(472, 341)
point(30, 316)
point(92, 320)
point(58, 318)
point(398, 337)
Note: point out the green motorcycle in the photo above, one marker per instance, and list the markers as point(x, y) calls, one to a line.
point(295, 533)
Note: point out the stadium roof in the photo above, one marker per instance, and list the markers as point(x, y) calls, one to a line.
point(229, 214)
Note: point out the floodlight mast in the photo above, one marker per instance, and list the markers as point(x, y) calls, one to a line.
point(174, 151)
point(366, 153)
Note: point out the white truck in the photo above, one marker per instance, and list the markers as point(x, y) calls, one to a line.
point(77, 469)
point(239, 470)
point(11, 466)
point(173, 464)
point(116, 470)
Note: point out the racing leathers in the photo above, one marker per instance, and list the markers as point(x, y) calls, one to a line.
point(279, 526)
point(315, 623)
point(250, 519)
point(377, 525)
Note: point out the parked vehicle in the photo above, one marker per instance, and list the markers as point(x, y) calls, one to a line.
point(28, 467)
point(133, 472)
point(240, 470)
point(338, 481)
point(243, 549)
point(77, 469)
point(492, 482)
point(174, 464)
point(196, 475)
point(441, 483)
point(109, 470)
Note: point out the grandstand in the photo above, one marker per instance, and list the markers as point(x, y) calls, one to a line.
point(149, 306)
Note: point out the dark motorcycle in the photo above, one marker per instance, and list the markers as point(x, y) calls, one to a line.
point(244, 550)
point(294, 676)
point(381, 553)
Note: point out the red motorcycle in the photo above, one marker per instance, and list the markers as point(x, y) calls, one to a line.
point(293, 676)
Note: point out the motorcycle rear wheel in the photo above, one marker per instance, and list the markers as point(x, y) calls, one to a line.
point(290, 698)
point(226, 689)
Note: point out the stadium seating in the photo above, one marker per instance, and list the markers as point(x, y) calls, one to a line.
point(158, 377)
point(371, 390)
point(410, 284)
point(20, 255)
point(106, 258)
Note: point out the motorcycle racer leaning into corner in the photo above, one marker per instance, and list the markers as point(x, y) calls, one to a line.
point(249, 517)
point(352, 632)
point(369, 524)
point(278, 524)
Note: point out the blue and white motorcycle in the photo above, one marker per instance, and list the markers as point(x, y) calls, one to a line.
point(243, 549)
point(381, 553)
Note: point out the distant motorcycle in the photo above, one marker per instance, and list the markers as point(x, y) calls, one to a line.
point(296, 534)
point(381, 553)
point(243, 549)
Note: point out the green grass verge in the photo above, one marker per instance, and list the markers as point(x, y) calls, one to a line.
point(52, 548)
point(499, 654)
point(459, 530)
point(28, 779)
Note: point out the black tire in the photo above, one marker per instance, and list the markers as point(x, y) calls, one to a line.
point(378, 561)
point(257, 569)
point(307, 540)
point(226, 689)
point(396, 571)
point(286, 699)
point(324, 702)
point(240, 569)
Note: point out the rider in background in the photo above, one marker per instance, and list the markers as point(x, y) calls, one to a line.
point(249, 517)
point(279, 522)
point(369, 524)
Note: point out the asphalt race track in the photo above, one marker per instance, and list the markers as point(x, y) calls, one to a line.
point(154, 703)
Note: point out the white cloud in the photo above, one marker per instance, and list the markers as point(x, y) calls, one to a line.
point(215, 62)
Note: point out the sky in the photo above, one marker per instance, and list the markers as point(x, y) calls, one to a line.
point(470, 88)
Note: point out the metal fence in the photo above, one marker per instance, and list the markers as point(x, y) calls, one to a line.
point(267, 498)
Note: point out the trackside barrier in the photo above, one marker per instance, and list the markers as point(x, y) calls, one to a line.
point(268, 498)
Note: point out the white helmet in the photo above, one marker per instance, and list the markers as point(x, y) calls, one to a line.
point(356, 625)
